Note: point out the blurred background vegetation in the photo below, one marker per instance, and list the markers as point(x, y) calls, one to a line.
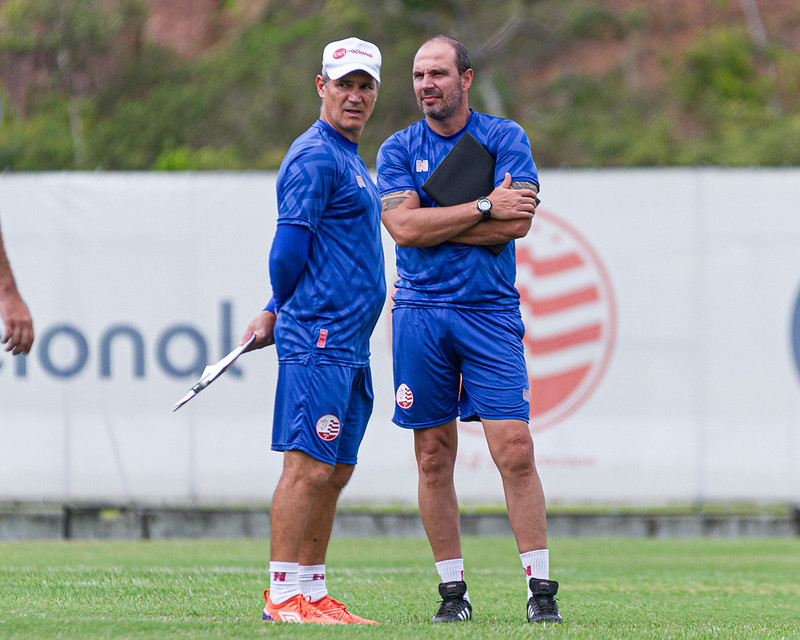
point(228, 84)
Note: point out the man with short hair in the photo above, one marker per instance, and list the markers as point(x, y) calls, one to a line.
point(456, 324)
point(327, 274)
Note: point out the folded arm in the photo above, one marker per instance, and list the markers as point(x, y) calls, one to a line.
point(498, 231)
point(412, 225)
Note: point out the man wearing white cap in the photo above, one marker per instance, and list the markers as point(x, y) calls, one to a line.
point(326, 270)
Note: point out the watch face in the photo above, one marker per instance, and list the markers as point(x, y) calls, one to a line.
point(484, 205)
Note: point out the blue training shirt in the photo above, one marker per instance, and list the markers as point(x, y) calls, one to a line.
point(453, 274)
point(324, 185)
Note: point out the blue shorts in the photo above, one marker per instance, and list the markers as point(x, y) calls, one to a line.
point(322, 410)
point(455, 362)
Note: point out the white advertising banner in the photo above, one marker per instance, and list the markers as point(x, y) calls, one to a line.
point(662, 333)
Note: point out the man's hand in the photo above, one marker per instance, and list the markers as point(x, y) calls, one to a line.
point(510, 203)
point(262, 327)
point(18, 336)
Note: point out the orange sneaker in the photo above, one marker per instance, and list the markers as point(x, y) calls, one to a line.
point(295, 609)
point(338, 611)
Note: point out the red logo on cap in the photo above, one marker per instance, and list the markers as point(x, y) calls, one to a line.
point(339, 53)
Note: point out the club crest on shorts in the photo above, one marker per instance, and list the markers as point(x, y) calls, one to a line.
point(328, 428)
point(404, 397)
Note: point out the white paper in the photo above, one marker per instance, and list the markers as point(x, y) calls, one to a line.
point(212, 372)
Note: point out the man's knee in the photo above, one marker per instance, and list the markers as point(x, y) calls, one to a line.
point(515, 455)
point(433, 463)
point(436, 452)
point(340, 477)
point(300, 469)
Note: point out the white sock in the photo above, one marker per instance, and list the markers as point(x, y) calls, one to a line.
point(452, 571)
point(536, 564)
point(312, 582)
point(284, 581)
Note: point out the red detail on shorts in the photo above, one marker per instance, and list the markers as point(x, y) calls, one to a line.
point(328, 428)
point(323, 336)
point(404, 397)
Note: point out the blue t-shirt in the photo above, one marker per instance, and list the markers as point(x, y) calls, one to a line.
point(453, 274)
point(324, 185)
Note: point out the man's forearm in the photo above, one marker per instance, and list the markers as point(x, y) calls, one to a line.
point(493, 232)
point(8, 285)
point(414, 226)
point(497, 231)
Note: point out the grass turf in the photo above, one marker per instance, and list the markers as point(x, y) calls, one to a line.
point(620, 589)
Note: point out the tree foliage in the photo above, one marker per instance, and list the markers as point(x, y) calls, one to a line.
point(95, 95)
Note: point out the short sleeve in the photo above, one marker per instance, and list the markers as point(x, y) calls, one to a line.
point(305, 183)
point(394, 173)
point(514, 154)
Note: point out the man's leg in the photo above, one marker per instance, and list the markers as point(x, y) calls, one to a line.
point(436, 450)
point(301, 481)
point(323, 512)
point(315, 547)
point(318, 534)
point(511, 448)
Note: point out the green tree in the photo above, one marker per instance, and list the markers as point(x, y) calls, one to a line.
point(68, 40)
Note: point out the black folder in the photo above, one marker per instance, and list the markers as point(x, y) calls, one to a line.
point(465, 174)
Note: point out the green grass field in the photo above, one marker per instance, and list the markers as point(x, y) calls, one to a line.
point(636, 588)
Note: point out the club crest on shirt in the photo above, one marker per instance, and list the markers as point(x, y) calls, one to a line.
point(422, 166)
point(404, 397)
point(328, 428)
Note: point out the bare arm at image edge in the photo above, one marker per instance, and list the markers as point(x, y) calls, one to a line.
point(17, 321)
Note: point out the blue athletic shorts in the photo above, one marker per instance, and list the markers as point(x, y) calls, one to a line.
point(322, 409)
point(455, 362)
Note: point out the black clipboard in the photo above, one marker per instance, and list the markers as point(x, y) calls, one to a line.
point(465, 174)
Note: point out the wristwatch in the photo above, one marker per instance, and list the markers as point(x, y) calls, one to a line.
point(485, 207)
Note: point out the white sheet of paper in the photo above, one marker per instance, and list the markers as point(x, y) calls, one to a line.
point(212, 372)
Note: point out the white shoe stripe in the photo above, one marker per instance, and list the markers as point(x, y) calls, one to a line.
point(289, 616)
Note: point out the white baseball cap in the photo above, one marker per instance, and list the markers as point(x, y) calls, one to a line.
point(351, 54)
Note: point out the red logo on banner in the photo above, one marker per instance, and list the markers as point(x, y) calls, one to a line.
point(570, 318)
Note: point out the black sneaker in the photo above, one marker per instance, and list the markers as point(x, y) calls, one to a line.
point(542, 605)
point(454, 607)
